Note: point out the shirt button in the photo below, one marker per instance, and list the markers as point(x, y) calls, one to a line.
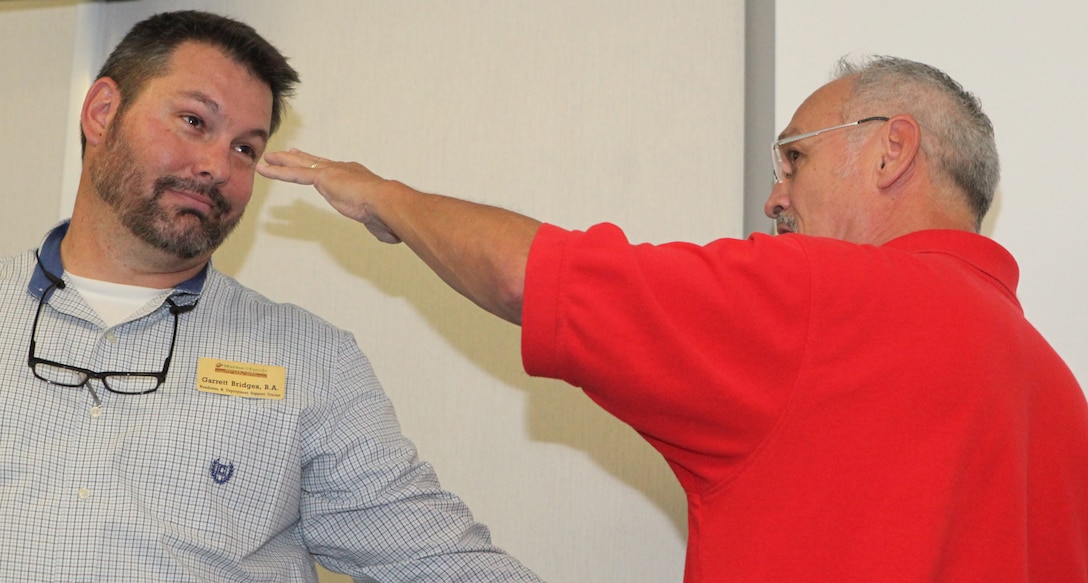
point(111, 337)
point(96, 412)
point(84, 493)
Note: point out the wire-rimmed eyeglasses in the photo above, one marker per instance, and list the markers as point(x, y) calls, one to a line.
point(124, 383)
point(776, 153)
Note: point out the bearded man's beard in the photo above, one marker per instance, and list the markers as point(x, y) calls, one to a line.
point(118, 180)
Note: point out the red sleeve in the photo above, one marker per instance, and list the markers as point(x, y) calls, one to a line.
point(686, 343)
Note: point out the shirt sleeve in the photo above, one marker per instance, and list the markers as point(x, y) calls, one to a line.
point(686, 343)
point(370, 508)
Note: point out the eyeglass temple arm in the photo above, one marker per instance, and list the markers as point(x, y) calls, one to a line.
point(175, 310)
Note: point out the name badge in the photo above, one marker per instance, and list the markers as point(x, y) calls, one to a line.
point(240, 379)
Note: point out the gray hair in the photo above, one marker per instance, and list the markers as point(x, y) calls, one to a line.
point(956, 135)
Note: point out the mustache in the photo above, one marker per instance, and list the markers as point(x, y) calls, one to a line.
point(787, 222)
point(210, 191)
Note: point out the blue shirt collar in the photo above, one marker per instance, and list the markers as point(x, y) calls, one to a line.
point(49, 260)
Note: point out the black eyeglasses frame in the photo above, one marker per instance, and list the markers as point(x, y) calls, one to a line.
point(86, 375)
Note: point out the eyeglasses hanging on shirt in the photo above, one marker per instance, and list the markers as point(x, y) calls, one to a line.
point(120, 382)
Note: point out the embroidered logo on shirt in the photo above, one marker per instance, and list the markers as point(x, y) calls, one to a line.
point(222, 473)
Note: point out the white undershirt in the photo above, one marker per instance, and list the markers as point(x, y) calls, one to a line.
point(114, 302)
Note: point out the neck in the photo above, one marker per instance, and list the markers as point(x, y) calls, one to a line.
point(926, 210)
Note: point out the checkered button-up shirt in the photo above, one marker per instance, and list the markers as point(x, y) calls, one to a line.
point(188, 485)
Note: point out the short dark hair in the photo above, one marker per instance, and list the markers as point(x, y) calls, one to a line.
point(145, 53)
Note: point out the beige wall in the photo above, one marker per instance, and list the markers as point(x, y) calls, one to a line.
point(574, 112)
point(36, 47)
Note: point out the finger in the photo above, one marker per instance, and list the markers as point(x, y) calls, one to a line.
point(294, 157)
point(284, 158)
point(292, 174)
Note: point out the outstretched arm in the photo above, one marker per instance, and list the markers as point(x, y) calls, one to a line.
point(479, 250)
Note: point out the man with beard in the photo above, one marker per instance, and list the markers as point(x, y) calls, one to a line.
point(160, 422)
point(857, 399)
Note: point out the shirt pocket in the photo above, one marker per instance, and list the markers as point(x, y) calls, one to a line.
point(217, 474)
